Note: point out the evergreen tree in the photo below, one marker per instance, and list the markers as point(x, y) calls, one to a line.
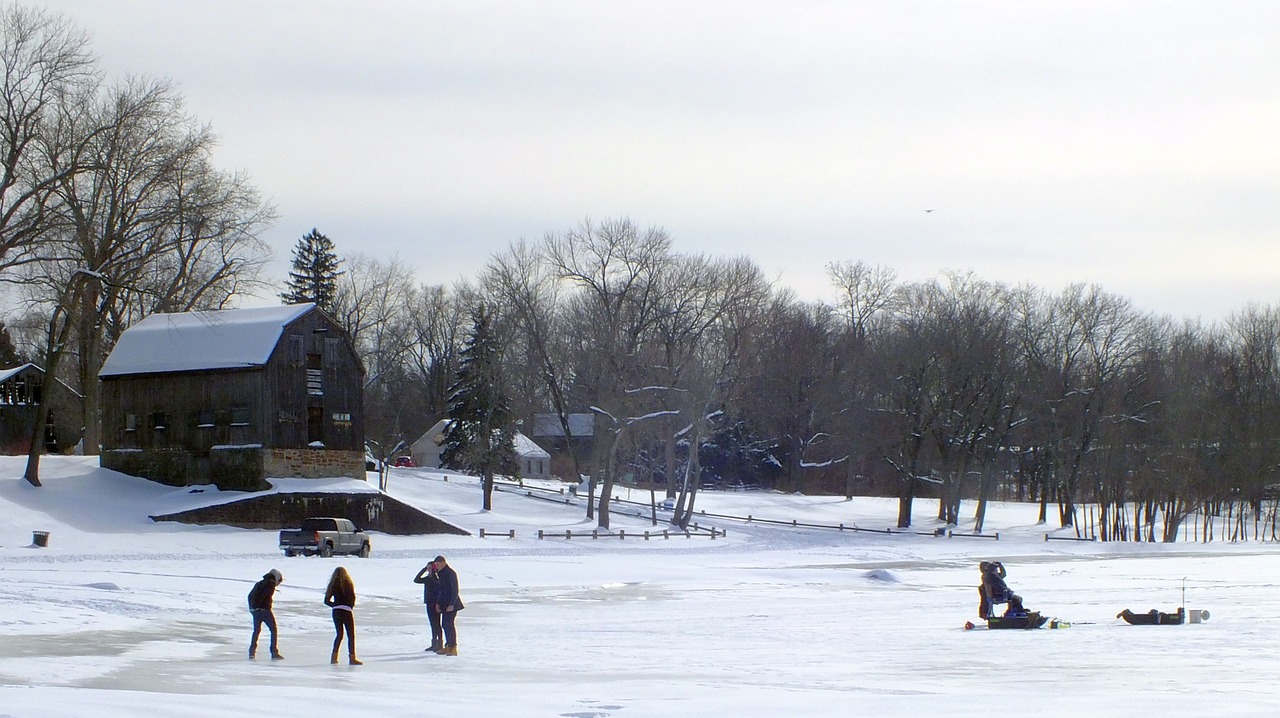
point(9, 355)
point(481, 434)
point(314, 276)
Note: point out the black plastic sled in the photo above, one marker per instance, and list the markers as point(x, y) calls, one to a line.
point(1152, 618)
point(1028, 621)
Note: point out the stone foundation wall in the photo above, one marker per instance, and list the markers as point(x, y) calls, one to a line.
point(369, 511)
point(313, 463)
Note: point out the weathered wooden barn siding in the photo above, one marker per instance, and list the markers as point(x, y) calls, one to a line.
point(229, 426)
point(314, 340)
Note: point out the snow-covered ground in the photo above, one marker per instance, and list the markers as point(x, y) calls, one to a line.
point(120, 616)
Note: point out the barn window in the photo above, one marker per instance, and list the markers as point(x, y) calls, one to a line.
point(331, 353)
point(205, 419)
point(158, 420)
point(296, 354)
point(130, 422)
point(239, 416)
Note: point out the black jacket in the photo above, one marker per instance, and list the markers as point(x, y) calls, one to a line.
point(430, 581)
point(449, 590)
point(261, 595)
point(995, 587)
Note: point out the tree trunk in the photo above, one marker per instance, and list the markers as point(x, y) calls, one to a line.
point(91, 391)
point(669, 457)
point(905, 498)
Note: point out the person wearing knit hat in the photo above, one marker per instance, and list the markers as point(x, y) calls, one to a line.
point(260, 600)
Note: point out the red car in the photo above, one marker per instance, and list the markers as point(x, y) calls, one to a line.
point(404, 461)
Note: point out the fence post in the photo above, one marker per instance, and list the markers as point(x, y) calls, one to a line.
point(622, 533)
point(539, 534)
point(568, 534)
point(482, 533)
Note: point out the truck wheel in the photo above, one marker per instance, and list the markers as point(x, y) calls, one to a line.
point(326, 551)
point(290, 553)
point(364, 551)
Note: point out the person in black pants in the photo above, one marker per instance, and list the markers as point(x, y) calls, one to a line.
point(260, 599)
point(341, 597)
point(429, 577)
point(448, 606)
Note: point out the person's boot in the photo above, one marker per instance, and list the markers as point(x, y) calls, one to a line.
point(277, 656)
point(334, 658)
point(436, 645)
point(353, 660)
point(449, 651)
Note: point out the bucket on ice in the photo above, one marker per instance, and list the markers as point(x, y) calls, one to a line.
point(40, 538)
point(1196, 615)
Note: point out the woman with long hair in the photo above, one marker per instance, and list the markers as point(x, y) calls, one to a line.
point(341, 597)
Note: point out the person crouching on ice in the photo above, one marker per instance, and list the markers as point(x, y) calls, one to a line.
point(994, 591)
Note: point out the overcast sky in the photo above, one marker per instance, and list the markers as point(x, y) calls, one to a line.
point(1129, 144)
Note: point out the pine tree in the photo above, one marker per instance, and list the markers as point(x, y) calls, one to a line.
point(481, 434)
point(9, 354)
point(314, 276)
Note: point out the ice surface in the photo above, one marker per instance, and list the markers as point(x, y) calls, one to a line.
point(121, 616)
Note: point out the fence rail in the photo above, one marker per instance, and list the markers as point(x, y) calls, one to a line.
point(953, 534)
point(708, 531)
point(1047, 537)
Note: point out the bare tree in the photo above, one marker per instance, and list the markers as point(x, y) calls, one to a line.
point(47, 70)
point(615, 266)
point(136, 197)
point(525, 288)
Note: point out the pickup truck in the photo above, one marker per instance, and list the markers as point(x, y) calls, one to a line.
point(325, 537)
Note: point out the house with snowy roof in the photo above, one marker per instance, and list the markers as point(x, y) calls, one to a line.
point(535, 463)
point(549, 432)
point(231, 397)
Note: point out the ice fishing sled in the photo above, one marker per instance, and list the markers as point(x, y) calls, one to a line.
point(1031, 619)
point(1152, 618)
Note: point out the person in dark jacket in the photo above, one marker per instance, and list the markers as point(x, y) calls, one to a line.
point(341, 597)
point(429, 577)
point(260, 600)
point(995, 590)
point(448, 605)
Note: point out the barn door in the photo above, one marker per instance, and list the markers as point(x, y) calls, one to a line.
point(315, 424)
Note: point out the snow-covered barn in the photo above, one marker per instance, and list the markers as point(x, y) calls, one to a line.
point(535, 463)
point(231, 397)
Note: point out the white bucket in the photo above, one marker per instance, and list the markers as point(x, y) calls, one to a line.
point(1198, 616)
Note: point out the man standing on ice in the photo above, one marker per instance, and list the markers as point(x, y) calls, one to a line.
point(260, 599)
point(450, 604)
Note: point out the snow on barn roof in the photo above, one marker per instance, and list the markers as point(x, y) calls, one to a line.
point(6, 373)
point(194, 341)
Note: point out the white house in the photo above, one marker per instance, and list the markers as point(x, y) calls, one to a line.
point(535, 463)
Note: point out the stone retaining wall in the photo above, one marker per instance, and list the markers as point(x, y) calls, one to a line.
point(367, 510)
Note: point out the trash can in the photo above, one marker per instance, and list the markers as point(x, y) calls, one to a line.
point(40, 538)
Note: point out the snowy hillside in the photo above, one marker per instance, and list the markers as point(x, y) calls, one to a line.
point(120, 615)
